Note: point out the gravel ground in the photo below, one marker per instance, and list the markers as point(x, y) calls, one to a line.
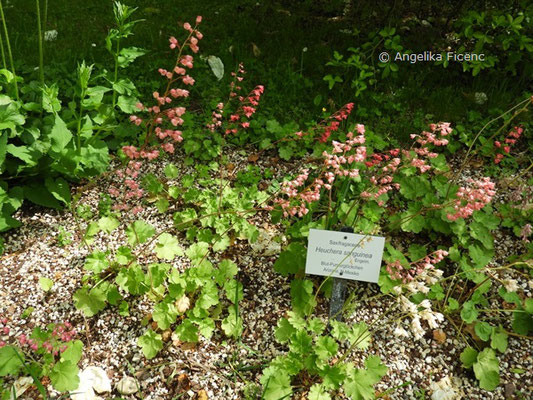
point(212, 368)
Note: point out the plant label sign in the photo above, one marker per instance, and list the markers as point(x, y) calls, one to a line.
point(344, 255)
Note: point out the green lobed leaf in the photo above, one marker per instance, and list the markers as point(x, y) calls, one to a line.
point(197, 252)
point(45, 283)
point(132, 280)
point(150, 343)
point(165, 314)
point(64, 376)
point(302, 299)
point(96, 262)
point(333, 376)
point(187, 331)
point(73, 352)
point(11, 361)
point(487, 369)
point(232, 324)
point(168, 247)
point(325, 347)
point(139, 232)
point(276, 384)
point(498, 340)
point(284, 331)
point(358, 385)
point(318, 392)
point(234, 290)
point(468, 357)
point(90, 302)
point(108, 224)
point(227, 269)
point(469, 312)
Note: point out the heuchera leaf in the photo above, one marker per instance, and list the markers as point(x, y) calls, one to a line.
point(318, 392)
point(168, 247)
point(187, 331)
point(276, 383)
point(150, 343)
point(90, 302)
point(487, 369)
point(64, 376)
point(302, 298)
point(139, 232)
point(10, 360)
point(232, 324)
point(291, 260)
point(468, 357)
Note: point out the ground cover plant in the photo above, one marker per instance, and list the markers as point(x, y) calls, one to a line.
point(156, 202)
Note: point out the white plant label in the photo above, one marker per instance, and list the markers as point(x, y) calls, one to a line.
point(344, 255)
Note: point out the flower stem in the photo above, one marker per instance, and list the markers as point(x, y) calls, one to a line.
point(4, 24)
point(40, 31)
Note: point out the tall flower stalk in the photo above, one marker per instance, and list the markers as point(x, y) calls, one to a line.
point(6, 34)
point(41, 55)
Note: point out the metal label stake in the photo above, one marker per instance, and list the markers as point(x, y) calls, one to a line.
point(338, 291)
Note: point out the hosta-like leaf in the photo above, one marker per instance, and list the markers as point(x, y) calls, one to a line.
point(60, 135)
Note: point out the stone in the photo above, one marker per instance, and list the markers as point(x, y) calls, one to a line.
point(128, 385)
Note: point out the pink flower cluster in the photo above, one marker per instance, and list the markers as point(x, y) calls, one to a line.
point(470, 199)
point(340, 162)
point(509, 141)
point(60, 335)
point(246, 108)
point(164, 120)
point(382, 182)
point(526, 232)
point(397, 271)
point(435, 138)
point(329, 125)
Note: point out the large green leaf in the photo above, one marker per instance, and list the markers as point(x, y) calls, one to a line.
point(291, 260)
point(59, 188)
point(64, 376)
point(90, 302)
point(487, 369)
point(139, 232)
point(60, 135)
point(150, 343)
point(276, 384)
point(302, 298)
point(10, 360)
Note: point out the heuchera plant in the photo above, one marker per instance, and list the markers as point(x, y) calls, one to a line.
point(162, 124)
point(53, 352)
